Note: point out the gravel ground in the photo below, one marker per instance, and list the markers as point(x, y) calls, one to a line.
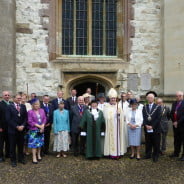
point(78, 170)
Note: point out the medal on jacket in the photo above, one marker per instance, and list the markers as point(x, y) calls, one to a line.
point(150, 114)
point(149, 118)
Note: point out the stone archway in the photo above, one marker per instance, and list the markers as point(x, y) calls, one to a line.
point(96, 82)
point(95, 87)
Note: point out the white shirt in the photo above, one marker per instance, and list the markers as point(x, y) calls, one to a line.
point(150, 106)
point(74, 98)
point(60, 100)
point(101, 105)
point(95, 113)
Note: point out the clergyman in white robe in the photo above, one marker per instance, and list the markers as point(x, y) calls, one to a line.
point(116, 140)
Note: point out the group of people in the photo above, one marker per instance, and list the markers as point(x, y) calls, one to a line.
point(87, 125)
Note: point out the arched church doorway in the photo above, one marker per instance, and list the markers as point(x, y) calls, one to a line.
point(95, 88)
point(97, 83)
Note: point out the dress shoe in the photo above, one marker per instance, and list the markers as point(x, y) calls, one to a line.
point(182, 158)
point(1, 160)
point(22, 161)
point(34, 162)
point(138, 158)
point(46, 152)
point(132, 157)
point(76, 154)
point(161, 153)
point(173, 155)
point(146, 157)
point(155, 159)
point(39, 159)
point(7, 156)
point(13, 164)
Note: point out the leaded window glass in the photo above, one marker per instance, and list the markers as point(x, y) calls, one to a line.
point(89, 27)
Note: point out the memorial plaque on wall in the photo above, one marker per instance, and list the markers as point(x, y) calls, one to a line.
point(132, 81)
point(145, 81)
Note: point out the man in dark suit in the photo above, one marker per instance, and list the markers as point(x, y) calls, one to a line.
point(165, 117)
point(47, 107)
point(33, 96)
point(59, 98)
point(129, 96)
point(16, 116)
point(71, 101)
point(76, 113)
point(4, 126)
point(177, 117)
point(151, 122)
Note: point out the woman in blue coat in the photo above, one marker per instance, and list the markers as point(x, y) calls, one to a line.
point(61, 130)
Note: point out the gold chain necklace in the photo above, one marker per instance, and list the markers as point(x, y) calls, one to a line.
point(150, 114)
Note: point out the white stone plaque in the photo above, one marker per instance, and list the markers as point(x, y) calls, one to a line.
point(132, 81)
point(145, 81)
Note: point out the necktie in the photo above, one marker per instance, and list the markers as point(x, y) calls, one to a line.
point(150, 107)
point(46, 108)
point(18, 108)
point(80, 110)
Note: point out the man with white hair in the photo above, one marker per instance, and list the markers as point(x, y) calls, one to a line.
point(116, 128)
point(57, 100)
point(4, 126)
point(123, 102)
point(151, 122)
point(165, 117)
point(177, 117)
point(76, 114)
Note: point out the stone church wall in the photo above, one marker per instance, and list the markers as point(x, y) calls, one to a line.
point(32, 58)
point(146, 45)
point(33, 66)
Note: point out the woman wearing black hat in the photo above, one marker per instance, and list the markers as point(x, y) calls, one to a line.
point(134, 121)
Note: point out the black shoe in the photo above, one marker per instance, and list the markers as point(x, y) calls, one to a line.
point(1, 160)
point(146, 157)
point(182, 158)
point(75, 154)
point(13, 164)
point(173, 155)
point(155, 159)
point(132, 157)
point(34, 162)
point(22, 161)
point(46, 152)
point(138, 159)
point(7, 156)
point(39, 159)
point(161, 153)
